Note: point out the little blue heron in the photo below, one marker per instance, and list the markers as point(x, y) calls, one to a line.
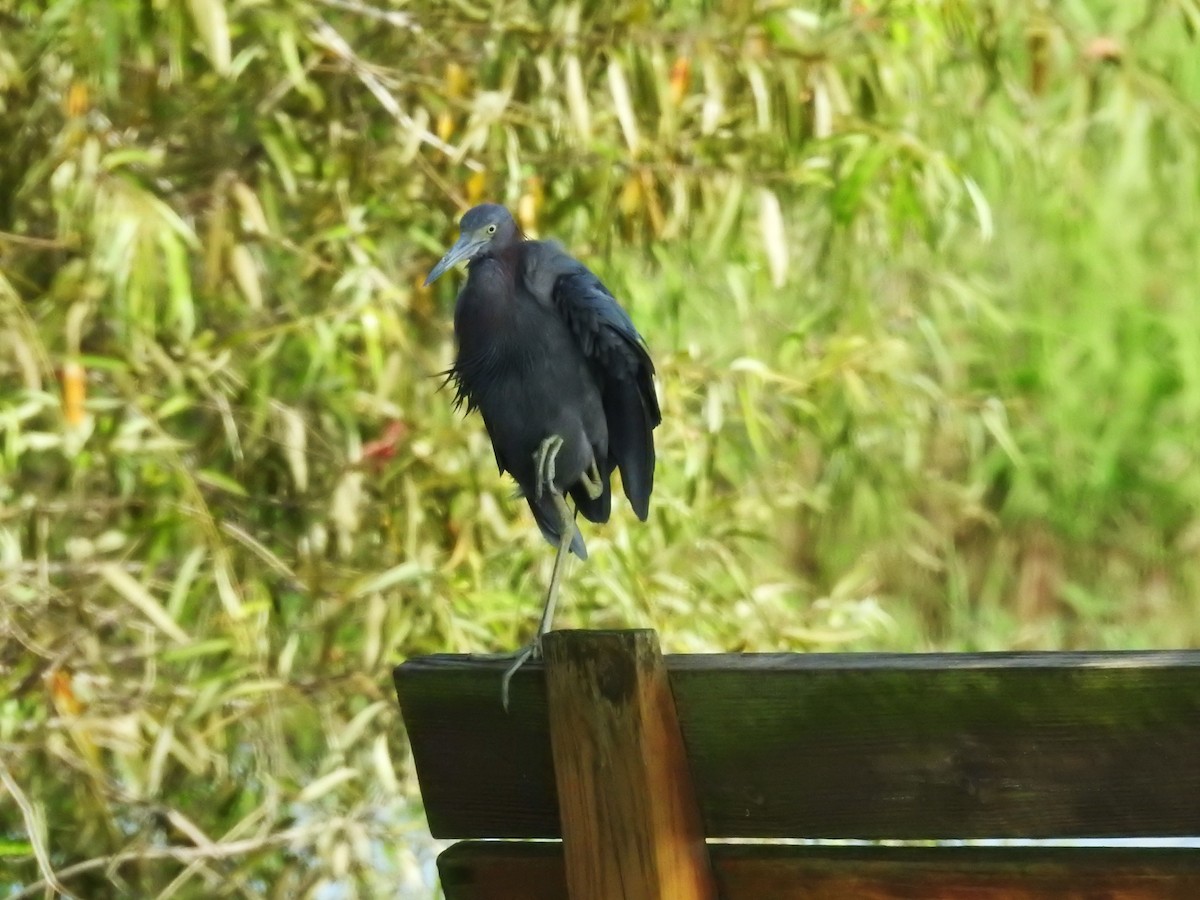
point(561, 377)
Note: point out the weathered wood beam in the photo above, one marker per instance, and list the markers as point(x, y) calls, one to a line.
point(921, 746)
point(497, 870)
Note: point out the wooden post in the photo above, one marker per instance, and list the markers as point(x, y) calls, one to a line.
point(631, 827)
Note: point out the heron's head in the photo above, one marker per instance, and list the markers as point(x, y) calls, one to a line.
point(481, 229)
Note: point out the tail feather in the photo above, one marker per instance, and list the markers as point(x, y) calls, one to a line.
point(631, 442)
point(545, 513)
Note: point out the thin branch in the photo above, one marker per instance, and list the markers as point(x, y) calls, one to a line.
point(332, 41)
point(263, 552)
point(202, 840)
point(33, 828)
point(178, 854)
point(391, 17)
point(40, 243)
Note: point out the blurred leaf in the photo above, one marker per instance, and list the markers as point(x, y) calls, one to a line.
point(623, 103)
point(577, 101)
point(317, 789)
point(140, 598)
point(770, 222)
point(399, 574)
point(245, 275)
point(220, 481)
point(212, 23)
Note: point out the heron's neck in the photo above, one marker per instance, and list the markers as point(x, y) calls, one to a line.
point(488, 299)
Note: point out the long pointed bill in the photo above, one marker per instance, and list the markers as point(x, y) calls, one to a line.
point(461, 250)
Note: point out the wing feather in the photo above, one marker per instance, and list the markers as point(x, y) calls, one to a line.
point(623, 369)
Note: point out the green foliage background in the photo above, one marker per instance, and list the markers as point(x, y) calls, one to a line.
point(920, 279)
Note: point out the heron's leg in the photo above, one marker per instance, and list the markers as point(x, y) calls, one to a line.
point(591, 480)
point(567, 524)
point(534, 647)
point(543, 464)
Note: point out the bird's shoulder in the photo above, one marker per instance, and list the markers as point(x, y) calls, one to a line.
point(543, 263)
point(599, 325)
point(556, 278)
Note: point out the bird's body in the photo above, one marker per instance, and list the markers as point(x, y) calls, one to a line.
point(559, 374)
point(520, 366)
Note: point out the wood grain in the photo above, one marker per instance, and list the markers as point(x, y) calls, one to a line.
point(928, 746)
point(631, 828)
point(494, 870)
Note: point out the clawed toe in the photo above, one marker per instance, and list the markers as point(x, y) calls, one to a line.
point(544, 459)
point(530, 651)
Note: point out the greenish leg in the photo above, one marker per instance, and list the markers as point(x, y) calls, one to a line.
point(533, 649)
point(543, 461)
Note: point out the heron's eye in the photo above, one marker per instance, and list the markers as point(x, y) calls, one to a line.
point(491, 229)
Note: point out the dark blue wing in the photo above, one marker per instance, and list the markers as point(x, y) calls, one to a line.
point(624, 371)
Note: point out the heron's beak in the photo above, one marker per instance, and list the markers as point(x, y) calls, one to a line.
point(462, 249)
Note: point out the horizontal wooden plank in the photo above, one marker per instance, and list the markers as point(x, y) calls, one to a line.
point(876, 746)
point(498, 870)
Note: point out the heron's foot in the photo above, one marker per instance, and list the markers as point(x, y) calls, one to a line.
point(532, 650)
point(543, 464)
point(591, 481)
